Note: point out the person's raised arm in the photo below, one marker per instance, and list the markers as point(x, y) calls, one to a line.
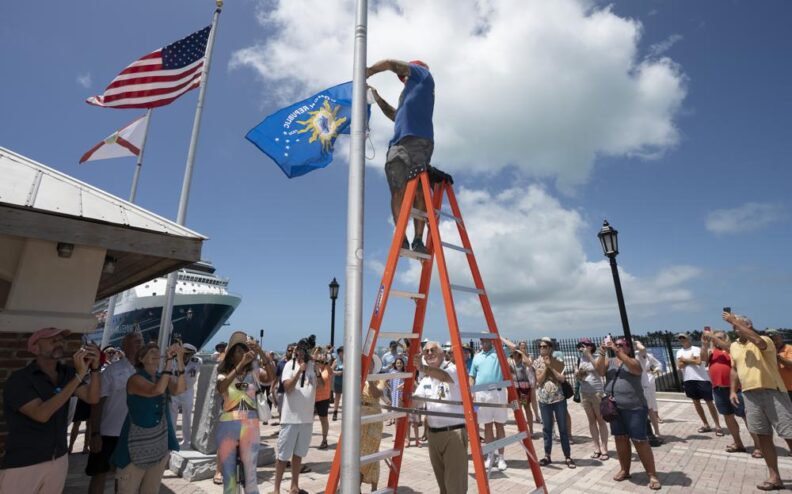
point(705, 343)
point(42, 411)
point(225, 380)
point(398, 67)
point(93, 392)
point(601, 364)
point(179, 385)
point(386, 107)
point(631, 363)
point(433, 372)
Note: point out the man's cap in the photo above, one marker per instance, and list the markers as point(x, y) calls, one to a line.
point(772, 331)
point(682, 335)
point(413, 62)
point(190, 348)
point(44, 333)
point(236, 338)
point(393, 343)
point(546, 339)
point(221, 345)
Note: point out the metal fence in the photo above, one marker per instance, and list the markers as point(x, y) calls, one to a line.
point(662, 346)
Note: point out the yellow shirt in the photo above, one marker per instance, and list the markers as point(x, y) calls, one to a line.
point(756, 369)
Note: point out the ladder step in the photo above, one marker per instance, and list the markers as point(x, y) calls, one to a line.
point(456, 247)
point(399, 336)
point(448, 215)
point(403, 294)
point(386, 490)
point(387, 376)
point(417, 213)
point(472, 335)
point(466, 289)
point(500, 443)
point(414, 255)
point(379, 456)
point(381, 417)
point(490, 386)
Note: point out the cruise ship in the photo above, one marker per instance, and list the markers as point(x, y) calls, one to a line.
point(201, 307)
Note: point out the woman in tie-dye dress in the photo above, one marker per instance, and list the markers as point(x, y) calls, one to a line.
point(238, 426)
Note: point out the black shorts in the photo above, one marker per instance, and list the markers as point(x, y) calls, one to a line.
point(100, 462)
point(322, 407)
point(406, 159)
point(698, 390)
point(82, 411)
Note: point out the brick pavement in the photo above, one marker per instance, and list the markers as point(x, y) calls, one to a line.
point(687, 462)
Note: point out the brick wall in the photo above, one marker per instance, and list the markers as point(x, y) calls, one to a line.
point(13, 356)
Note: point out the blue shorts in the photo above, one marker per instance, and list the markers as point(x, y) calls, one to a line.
point(698, 390)
point(720, 395)
point(631, 423)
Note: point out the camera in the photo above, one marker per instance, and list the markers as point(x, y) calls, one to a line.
point(302, 351)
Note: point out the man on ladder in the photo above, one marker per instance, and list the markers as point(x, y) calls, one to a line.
point(412, 144)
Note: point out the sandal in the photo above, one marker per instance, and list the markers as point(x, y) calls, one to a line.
point(604, 457)
point(757, 454)
point(734, 449)
point(654, 484)
point(705, 428)
point(570, 463)
point(595, 455)
point(544, 461)
point(622, 476)
point(769, 486)
point(217, 479)
point(323, 445)
point(719, 432)
point(305, 469)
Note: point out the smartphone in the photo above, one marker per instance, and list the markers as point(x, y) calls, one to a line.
point(608, 339)
point(727, 309)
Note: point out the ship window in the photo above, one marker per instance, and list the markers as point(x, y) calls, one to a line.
point(154, 294)
point(146, 286)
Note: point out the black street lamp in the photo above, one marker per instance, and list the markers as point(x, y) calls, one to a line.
point(333, 296)
point(609, 238)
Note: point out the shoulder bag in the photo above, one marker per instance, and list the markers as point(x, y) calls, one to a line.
point(148, 445)
point(608, 409)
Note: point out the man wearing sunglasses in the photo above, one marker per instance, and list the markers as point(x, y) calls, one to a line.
point(446, 435)
point(697, 382)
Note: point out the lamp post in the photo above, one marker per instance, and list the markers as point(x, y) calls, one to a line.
point(333, 296)
point(609, 238)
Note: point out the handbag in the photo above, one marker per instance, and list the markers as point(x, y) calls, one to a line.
point(567, 389)
point(576, 397)
point(262, 404)
point(148, 445)
point(608, 409)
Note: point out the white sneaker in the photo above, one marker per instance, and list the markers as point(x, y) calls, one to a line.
point(488, 462)
point(502, 466)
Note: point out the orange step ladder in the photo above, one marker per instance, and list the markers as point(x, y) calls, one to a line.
point(434, 189)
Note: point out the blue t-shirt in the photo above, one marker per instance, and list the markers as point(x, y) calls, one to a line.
point(486, 367)
point(416, 106)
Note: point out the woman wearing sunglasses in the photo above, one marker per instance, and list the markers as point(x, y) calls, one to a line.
point(549, 376)
point(238, 427)
point(623, 383)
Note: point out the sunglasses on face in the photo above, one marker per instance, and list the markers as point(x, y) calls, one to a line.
point(431, 350)
point(544, 346)
point(620, 345)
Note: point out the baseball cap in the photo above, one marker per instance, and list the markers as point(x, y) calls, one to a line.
point(772, 331)
point(682, 335)
point(190, 348)
point(44, 333)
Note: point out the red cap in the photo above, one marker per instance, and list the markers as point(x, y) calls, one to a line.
point(414, 62)
point(44, 333)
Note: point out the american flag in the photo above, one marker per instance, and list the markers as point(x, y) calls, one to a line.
point(158, 78)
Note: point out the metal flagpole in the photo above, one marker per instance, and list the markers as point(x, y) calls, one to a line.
point(111, 304)
point(167, 310)
point(350, 424)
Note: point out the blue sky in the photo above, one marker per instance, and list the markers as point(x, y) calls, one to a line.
point(669, 118)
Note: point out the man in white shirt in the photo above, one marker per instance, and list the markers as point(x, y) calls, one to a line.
point(184, 401)
point(697, 382)
point(108, 416)
point(300, 379)
point(447, 435)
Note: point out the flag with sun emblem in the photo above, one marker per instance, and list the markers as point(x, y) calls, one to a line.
point(300, 137)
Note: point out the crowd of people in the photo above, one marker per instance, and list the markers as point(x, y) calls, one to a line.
point(133, 406)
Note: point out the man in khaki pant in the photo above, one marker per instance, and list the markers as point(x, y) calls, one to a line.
point(447, 436)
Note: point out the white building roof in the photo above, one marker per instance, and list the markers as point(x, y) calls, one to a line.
point(27, 183)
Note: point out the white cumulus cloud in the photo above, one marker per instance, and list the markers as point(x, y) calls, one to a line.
point(529, 249)
point(544, 87)
point(749, 217)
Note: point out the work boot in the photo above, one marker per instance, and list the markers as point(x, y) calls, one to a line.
point(418, 246)
point(405, 244)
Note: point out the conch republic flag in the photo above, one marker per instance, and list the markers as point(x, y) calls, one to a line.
point(122, 143)
point(300, 137)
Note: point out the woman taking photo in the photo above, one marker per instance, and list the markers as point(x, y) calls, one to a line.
point(148, 435)
point(549, 377)
point(591, 393)
point(623, 383)
point(238, 426)
point(521, 367)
